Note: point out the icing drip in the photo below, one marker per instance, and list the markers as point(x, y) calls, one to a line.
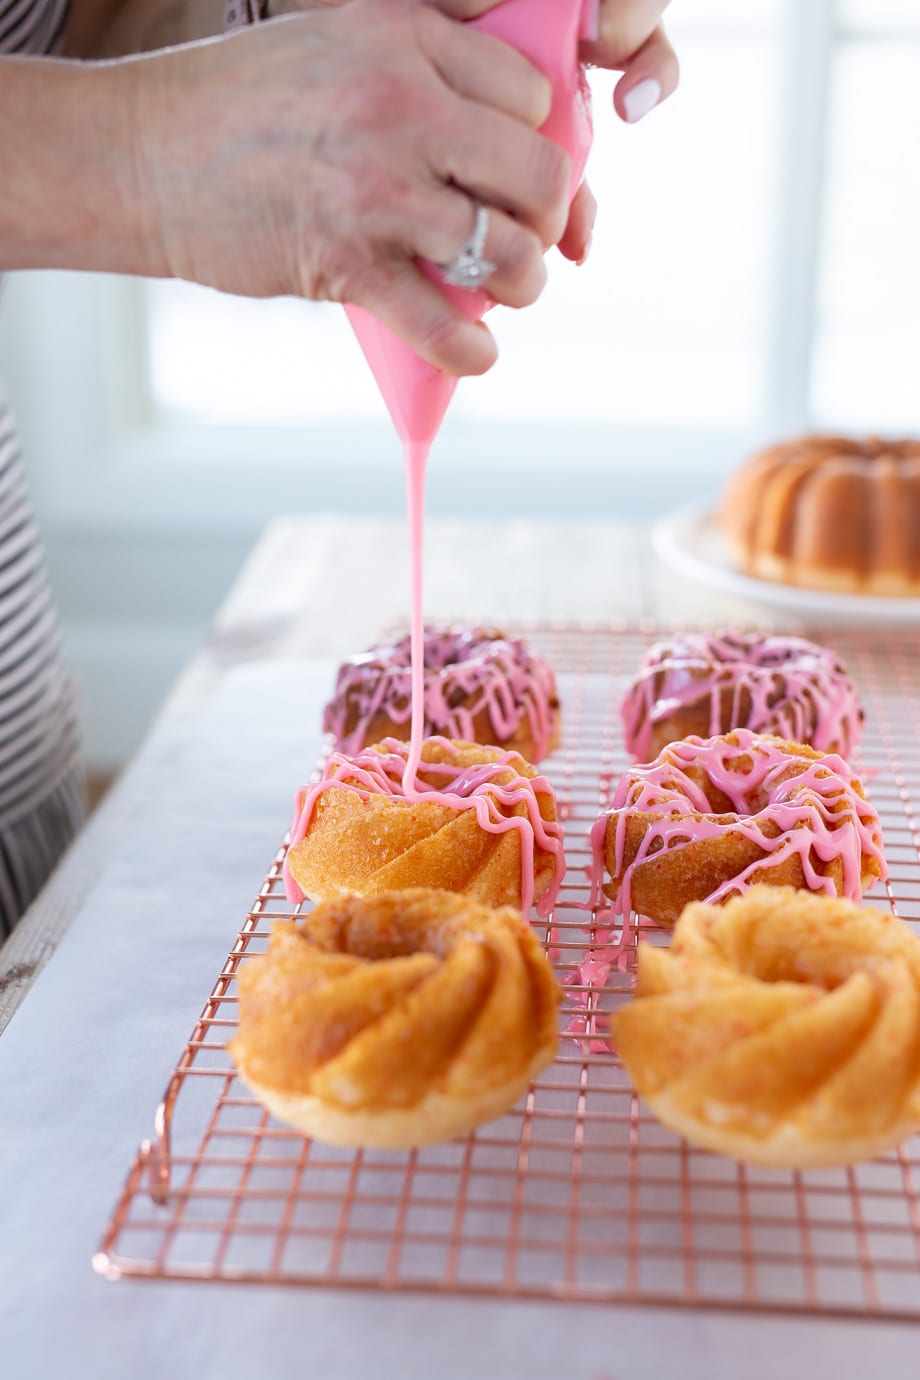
point(416, 458)
point(468, 672)
point(783, 685)
point(492, 789)
point(786, 805)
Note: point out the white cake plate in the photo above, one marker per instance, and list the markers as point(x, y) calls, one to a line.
point(690, 542)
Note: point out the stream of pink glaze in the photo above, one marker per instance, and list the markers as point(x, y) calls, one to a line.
point(548, 32)
point(381, 770)
point(797, 689)
point(416, 460)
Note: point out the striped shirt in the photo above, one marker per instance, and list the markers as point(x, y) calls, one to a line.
point(40, 787)
point(32, 26)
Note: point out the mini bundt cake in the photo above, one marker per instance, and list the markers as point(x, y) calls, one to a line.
point(705, 684)
point(396, 1020)
point(710, 817)
point(482, 822)
point(829, 512)
point(782, 1028)
point(481, 686)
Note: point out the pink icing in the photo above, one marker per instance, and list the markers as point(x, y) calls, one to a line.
point(416, 458)
point(417, 395)
point(839, 823)
point(797, 689)
point(482, 668)
point(381, 771)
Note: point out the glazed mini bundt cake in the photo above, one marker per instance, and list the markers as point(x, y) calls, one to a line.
point(705, 684)
point(782, 1028)
point(711, 817)
point(482, 822)
point(480, 686)
point(396, 1020)
point(829, 512)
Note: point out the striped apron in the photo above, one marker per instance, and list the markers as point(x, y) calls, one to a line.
point(41, 783)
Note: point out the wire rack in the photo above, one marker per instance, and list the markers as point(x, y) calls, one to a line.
point(578, 1193)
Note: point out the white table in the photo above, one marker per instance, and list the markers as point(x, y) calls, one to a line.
point(147, 904)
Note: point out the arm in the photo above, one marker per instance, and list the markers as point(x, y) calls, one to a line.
point(321, 155)
point(67, 200)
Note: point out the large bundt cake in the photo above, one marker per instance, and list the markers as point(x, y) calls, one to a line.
point(829, 512)
point(396, 1020)
point(782, 1028)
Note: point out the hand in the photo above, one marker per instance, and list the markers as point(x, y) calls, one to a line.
point(321, 154)
point(630, 39)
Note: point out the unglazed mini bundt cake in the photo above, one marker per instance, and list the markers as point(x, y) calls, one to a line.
point(710, 817)
point(396, 1020)
point(481, 686)
point(482, 822)
point(705, 684)
point(782, 1028)
point(829, 512)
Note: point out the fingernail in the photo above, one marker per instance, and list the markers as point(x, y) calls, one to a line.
point(586, 251)
point(641, 99)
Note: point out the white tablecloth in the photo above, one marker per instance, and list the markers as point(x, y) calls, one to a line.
point(86, 1058)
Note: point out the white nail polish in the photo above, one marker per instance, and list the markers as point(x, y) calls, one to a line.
point(641, 99)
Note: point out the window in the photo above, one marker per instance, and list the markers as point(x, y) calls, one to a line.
point(668, 324)
point(866, 359)
point(753, 274)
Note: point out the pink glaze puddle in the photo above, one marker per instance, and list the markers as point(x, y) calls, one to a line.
point(796, 689)
point(382, 771)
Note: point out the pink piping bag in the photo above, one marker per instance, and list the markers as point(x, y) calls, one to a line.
point(548, 32)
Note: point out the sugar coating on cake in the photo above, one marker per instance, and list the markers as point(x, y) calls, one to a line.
point(395, 1020)
point(782, 1028)
point(478, 819)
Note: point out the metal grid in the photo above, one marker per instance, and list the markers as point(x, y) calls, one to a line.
point(578, 1193)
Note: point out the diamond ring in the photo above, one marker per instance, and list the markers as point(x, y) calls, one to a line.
point(469, 269)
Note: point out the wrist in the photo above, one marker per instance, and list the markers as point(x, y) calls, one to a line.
point(71, 196)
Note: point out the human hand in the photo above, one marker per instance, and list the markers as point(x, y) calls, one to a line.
point(630, 39)
point(354, 140)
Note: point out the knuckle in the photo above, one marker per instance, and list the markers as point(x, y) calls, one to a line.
point(552, 183)
point(326, 278)
point(541, 96)
point(622, 33)
point(555, 170)
point(438, 333)
point(522, 265)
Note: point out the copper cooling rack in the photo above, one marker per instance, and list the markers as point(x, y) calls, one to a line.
point(578, 1193)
